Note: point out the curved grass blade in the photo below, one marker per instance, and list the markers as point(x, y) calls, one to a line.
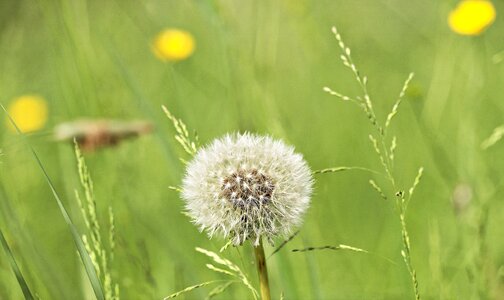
point(284, 243)
point(339, 247)
point(219, 290)
point(219, 270)
point(341, 169)
point(193, 287)
point(15, 268)
point(232, 267)
point(41, 266)
point(342, 247)
point(86, 260)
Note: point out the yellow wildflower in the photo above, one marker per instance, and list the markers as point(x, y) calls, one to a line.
point(173, 45)
point(471, 17)
point(29, 112)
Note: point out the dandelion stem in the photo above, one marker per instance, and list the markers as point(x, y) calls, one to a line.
point(262, 271)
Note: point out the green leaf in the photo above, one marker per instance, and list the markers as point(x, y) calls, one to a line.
point(12, 261)
point(86, 260)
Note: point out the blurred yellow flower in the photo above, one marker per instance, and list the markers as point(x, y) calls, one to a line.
point(29, 112)
point(471, 17)
point(173, 45)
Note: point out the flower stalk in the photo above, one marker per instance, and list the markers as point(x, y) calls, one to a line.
point(262, 270)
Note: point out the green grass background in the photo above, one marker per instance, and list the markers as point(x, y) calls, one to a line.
point(259, 66)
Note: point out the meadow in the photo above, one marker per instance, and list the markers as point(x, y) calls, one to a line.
point(271, 68)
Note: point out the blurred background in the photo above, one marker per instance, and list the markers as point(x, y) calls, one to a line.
point(256, 66)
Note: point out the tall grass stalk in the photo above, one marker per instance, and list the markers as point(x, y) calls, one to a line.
point(225, 267)
point(39, 266)
point(93, 240)
point(84, 255)
point(385, 149)
point(15, 268)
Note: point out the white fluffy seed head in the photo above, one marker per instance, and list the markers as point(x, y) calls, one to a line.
point(245, 187)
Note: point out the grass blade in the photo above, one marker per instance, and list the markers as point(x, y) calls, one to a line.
point(284, 243)
point(39, 265)
point(341, 169)
point(193, 287)
point(86, 260)
point(219, 260)
point(15, 268)
point(219, 270)
point(231, 266)
point(219, 290)
point(338, 247)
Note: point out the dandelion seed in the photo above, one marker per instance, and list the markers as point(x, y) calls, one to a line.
point(29, 112)
point(173, 45)
point(266, 198)
point(472, 17)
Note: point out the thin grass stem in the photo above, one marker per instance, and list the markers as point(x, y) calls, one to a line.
point(262, 270)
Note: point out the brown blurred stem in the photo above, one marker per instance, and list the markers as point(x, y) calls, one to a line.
point(262, 271)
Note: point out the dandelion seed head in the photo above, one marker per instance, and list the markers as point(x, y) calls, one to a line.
point(245, 186)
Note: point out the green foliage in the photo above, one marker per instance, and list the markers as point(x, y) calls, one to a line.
point(231, 270)
point(385, 154)
point(182, 137)
point(15, 268)
point(93, 241)
point(258, 66)
point(84, 255)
